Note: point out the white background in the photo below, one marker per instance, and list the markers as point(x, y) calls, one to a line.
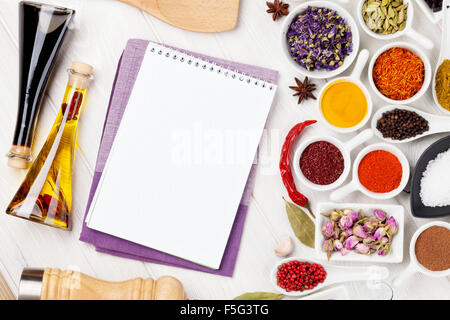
point(102, 28)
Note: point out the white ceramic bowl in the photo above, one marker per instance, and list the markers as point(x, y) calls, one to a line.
point(355, 77)
point(320, 74)
point(414, 265)
point(345, 154)
point(434, 17)
point(408, 31)
point(396, 211)
point(345, 149)
point(414, 49)
point(355, 184)
point(412, 250)
point(445, 50)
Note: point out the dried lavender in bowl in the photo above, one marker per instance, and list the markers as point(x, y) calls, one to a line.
point(319, 39)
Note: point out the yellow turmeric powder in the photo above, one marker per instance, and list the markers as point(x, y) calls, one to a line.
point(443, 84)
point(344, 104)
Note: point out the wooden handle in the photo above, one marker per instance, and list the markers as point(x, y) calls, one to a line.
point(71, 285)
point(193, 15)
point(5, 291)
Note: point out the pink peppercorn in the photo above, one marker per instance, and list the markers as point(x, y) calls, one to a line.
point(300, 276)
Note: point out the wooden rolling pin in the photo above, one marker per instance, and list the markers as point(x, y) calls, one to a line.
point(5, 291)
point(56, 284)
point(193, 15)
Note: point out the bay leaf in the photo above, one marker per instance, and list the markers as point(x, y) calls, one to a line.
point(301, 224)
point(259, 296)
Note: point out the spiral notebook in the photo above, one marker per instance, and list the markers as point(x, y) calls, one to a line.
point(182, 156)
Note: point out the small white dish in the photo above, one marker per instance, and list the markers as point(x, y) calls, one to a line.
point(335, 275)
point(320, 74)
point(414, 265)
point(445, 47)
point(344, 147)
point(335, 293)
point(396, 211)
point(355, 184)
point(434, 17)
point(408, 31)
point(416, 51)
point(437, 124)
point(355, 78)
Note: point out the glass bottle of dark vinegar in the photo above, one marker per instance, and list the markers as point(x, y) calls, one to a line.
point(42, 29)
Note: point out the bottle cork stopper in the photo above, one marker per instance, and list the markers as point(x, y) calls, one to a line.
point(19, 157)
point(81, 67)
point(18, 163)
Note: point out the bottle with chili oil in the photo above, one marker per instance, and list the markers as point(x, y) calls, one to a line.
point(45, 195)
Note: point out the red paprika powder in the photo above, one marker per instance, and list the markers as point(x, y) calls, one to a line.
point(380, 171)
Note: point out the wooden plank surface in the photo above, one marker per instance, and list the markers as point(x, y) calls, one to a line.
point(100, 32)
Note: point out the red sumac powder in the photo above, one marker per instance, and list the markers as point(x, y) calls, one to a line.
point(322, 163)
point(433, 248)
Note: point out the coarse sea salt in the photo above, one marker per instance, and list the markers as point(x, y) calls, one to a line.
point(435, 182)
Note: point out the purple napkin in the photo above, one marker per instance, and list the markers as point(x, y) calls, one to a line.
point(127, 71)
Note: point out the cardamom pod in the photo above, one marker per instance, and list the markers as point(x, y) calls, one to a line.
point(385, 16)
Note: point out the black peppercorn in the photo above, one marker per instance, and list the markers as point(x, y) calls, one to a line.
point(435, 5)
point(400, 124)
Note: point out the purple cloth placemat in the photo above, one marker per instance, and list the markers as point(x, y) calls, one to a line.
point(127, 71)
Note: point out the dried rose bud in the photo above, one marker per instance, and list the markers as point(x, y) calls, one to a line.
point(327, 229)
point(379, 214)
point(370, 225)
point(352, 214)
point(350, 242)
point(384, 240)
point(368, 240)
point(347, 233)
point(379, 233)
point(345, 222)
point(327, 245)
point(344, 251)
point(385, 250)
point(362, 248)
point(334, 216)
point(392, 225)
point(337, 245)
point(359, 232)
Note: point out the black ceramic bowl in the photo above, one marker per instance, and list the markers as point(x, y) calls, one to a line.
point(417, 207)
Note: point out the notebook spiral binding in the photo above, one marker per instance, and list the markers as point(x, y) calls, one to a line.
point(210, 66)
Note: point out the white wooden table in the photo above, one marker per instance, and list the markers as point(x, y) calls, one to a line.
point(101, 30)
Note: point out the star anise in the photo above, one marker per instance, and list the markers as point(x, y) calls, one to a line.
point(278, 9)
point(303, 90)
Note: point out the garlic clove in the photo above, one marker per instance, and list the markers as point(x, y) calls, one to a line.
point(285, 247)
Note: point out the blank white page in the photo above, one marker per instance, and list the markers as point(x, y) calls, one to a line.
point(182, 156)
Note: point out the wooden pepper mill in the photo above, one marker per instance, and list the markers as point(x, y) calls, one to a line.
point(56, 284)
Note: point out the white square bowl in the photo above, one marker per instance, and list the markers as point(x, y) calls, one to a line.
point(397, 211)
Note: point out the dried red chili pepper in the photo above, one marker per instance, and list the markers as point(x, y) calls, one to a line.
point(285, 163)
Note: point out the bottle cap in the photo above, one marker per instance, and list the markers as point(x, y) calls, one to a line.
point(81, 67)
